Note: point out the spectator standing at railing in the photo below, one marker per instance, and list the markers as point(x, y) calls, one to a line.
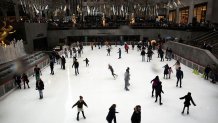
point(37, 72)
point(207, 71)
point(25, 80)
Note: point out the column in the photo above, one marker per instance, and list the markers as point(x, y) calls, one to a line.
point(191, 12)
point(177, 15)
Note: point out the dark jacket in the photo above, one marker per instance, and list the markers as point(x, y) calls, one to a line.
point(80, 104)
point(39, 85)
point(111, 114)
point(188, 98)
point(76, 64)
point(158, 89)
point(136, 117)
point(179, 74)
point(63, 60)
point(207, 70)
point(143, 53)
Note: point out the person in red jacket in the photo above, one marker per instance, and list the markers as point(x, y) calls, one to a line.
point(79, 105)
point(155, 81)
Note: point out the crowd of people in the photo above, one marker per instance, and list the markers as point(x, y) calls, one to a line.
point(157, 87)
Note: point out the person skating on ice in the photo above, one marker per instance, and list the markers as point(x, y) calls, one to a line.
point(158, 91)
point(25, 80)
point(155, 83)
point(108, 51)
point(179, 76)
point(79, 105)
point(37, 72)
point(40, 87)
point(166, 70)
point(126, 79)
point(76, 66)
point(63, 61)
point(136, 116)
point(87, 62)
point(112, 114)
point(143, 55)
point(52, 67)
point(119, 51)
point(112, 71)
point(170, 71)
point(187, 103)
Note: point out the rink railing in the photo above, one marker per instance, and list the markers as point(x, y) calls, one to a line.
point(9, 86)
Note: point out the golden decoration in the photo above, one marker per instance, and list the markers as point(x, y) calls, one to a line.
point(4, 32)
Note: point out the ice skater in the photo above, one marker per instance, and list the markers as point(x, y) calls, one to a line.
point(52, 67)
point(112, 114)
point(119, 51)
point(40, 87)
point(166, 70)
point(87, 62)
point(76, 66)
point(136, 116)
point(143, 55)
point(170, 71)
point(112, 71)
point(37, 72)
point(179, 75)
point(25, 80)
point(155, 83)
point(187, 103)
point(127, 78)
point(108, 51)
point(158, 91)
point(79, 105)
point(63, 61)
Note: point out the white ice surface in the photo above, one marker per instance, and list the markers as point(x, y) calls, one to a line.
point(96, 84)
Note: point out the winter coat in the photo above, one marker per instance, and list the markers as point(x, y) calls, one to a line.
point(39, 85)
point(63, 60)
point(111, 114)
point(166, 69)
point(155, 82)
point(188, 98)
point(76, 64)
point(179, 74)
point(80, 104)
point(136, 117)
point(158, 89)
point(143, 53)
point(25, 78)
point(207, 70)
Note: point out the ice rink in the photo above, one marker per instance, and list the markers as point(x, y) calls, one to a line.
point(100, 90)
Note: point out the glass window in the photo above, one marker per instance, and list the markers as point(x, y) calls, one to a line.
point(172, 16)
point(183, 15)
point(200, 11)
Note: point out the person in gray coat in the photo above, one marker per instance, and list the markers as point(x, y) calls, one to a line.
point(127, 78)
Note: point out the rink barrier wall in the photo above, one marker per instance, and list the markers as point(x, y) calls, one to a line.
point(9, 86)
point(193, 57)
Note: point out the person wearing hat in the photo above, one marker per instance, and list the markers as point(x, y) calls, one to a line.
point(79, 105)
point(187, 103)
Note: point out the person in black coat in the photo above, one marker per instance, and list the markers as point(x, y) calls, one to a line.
point(161, 55)
point(63, 61)
point(112, 71)
point(40, 87)
point(119, 51)
point(136, 116)
point(79, 105)
point(87, 62)
point(179, 75)
point(76, 66)
point(166, 70)
point(187, 103)
point(112, 114)
point(158, 91)
point(207, 71)
point(52, 67)
point(17, 78)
